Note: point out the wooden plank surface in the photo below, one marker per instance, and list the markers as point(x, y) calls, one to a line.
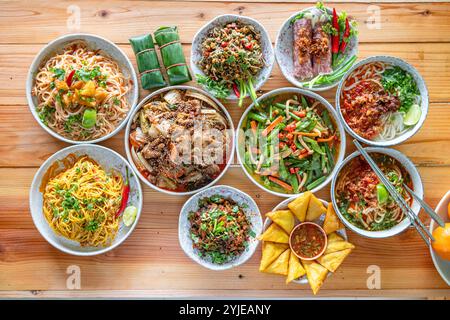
point(151, 263)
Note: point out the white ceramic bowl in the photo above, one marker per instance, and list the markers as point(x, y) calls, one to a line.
point(420, 85)
point(251, 210)
point(109, 160)
point(240, 136)
point(94, 42)
point(266, 46)
point(284, 54)
point(442, 266)
point(416, 181)
point(283, 205)
point(143, 103)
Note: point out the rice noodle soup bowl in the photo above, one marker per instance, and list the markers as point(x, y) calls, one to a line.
point(81, 88)
point(382, 101)
point(363, 203)
point(180, 140)
point(290, 142)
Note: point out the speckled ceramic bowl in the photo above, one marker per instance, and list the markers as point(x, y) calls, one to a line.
point(251, 210)
point(146, 100)
point(283, 205)
point(420, 85)
point(442, 266)
point(417, 187)
point(240, 136)
point(284, 54)
point(221, 20)
point(94, 42)
point(109, 160)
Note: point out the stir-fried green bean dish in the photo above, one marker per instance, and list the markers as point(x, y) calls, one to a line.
point(291, 143)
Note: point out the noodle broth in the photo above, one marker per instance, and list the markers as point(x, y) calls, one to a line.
point(364, 201)
point(380, 101)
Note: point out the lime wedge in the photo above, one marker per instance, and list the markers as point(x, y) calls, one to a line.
point(129, 215)
point(412, 116)
point(382, 193)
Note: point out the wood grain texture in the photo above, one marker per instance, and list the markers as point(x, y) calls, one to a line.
point(45, 20)
point(151, 263)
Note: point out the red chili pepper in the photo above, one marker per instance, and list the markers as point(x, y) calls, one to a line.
point(292, 170)
point(282, 144)
point(335, 37)
point(293, 147)
point(125, 195)
point(70, 78)
point(249, 46)
point(224, 44)
point(280, 135)
point(345, 36)
point(236, 90)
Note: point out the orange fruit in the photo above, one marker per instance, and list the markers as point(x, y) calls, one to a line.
point(441, 243)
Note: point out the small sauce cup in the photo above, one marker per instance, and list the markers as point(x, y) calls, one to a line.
point(308, 241)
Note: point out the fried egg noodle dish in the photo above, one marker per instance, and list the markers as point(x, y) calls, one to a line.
point(81, 202)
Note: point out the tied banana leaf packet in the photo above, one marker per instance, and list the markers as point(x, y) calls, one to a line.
point(147, 62)
point(172, 55)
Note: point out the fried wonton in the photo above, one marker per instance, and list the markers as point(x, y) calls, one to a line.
point(315, 209)
point(280, 265)
point(331, 222)
point(300, 205)
point(295, 270)
point(283, 218)
point(315, 273)
point(336, 243)
point(274, 233)
point(333, 260)
point(271, 251)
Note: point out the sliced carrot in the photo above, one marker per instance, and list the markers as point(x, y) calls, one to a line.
point(271, 126)
point(303, 155)
point(282, 184)
point(306, 134)
point(325, 139)
point(254, 126)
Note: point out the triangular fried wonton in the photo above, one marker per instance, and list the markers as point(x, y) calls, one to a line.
point(280, 265)
point(283, 218)
point(336, 243)
point(271, 251)
point(315, 209)
point(274, 233)
point(333, 260)
point(300, 205)
point(331, 222)
point(315, 273)
point(295, 270)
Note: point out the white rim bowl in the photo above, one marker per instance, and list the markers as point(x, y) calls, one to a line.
point(240, 136)
point(420, 85)
point(108, 159)
point(94, 42)
point(283, 54)
point(252, 213)
point(442, 266)
point(284, 205)
point(266, 47)
point(143, 103)
point(417, 188)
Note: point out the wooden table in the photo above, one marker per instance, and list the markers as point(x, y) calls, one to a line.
point(151, 263)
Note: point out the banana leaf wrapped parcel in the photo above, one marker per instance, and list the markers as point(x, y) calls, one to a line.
point(147, 62)
point(172, 55)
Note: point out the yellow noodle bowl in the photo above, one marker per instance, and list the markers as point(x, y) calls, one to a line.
point(81, 202)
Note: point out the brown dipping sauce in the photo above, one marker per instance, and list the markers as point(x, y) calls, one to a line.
point(308, 241)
